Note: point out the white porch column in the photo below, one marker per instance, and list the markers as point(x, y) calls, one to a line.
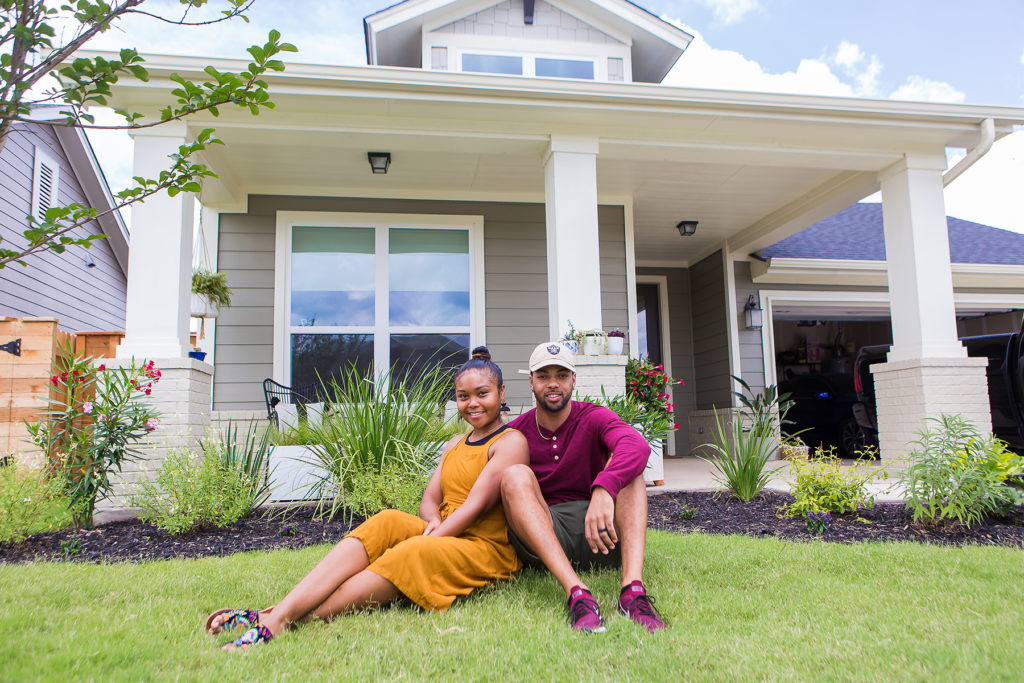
point(928, 371)
point(574, 264)
point(160, 260)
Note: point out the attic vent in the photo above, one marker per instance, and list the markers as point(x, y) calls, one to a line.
point(45, 182)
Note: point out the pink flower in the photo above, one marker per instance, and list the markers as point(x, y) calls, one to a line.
point(102, 367)
point(54, 380)
point(152, 423)
point(87, 407)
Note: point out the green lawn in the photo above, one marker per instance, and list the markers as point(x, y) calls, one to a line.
point(737, 608)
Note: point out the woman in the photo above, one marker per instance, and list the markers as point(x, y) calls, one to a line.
point(458, 543)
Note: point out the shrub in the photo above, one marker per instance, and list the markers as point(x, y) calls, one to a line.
point(392, 487)
point(94, 425)
point(647, 384)
point(191, 493)
point(32, 503)
point(653, 423)
point(741, 461)
point(959, 475)
point(825, 485)
point(248, 458)
point(374, 425)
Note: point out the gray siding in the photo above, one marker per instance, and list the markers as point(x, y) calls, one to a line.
point(751, 354)
point(681, 336)
point(710, 334)
point(515, 280)
point(54, 285)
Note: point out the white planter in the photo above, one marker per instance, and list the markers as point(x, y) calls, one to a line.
point(615, 345)
point(654, 473)
point(291, 473)
point(202, 307)
point(592, 346)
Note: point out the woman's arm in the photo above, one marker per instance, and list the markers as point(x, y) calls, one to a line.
point(430, 506)
point(510, 449)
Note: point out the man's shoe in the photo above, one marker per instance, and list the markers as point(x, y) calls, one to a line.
point(638, 606)
point(584, 614)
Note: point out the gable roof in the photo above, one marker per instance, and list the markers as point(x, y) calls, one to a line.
point(393, 34)
point(855, 233)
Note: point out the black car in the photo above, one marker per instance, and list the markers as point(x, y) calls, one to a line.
point(823, 407)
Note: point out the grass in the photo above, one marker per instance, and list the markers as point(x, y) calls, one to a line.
point(737, 607)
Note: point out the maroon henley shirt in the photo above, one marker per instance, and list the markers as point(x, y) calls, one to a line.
point(573, 459)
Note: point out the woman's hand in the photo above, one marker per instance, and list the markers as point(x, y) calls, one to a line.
point(431, 525)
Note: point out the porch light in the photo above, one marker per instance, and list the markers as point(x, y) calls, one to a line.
point(686, 228)
point(752, 313)
point(379, 161)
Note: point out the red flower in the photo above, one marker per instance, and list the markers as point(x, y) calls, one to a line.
point(54, 380)
point(63, 376)
point(102, 367)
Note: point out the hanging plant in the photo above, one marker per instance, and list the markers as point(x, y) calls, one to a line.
point(213, 289)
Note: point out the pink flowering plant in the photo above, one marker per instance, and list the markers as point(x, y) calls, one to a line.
point(95, 422)
point(647, 385)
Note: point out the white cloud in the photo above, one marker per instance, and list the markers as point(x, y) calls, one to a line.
point(731, 11)
point(704, 66)
point(926, 90)
point(989, 191)
point(848, 54)
point(856, 65)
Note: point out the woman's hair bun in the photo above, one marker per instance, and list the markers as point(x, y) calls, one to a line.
point(481, 352)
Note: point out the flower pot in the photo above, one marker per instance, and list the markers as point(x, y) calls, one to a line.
point(571, 344)
point(615, 345)
point(198, 355)
point(592, 345)
point(202, 307)
point(654, 473)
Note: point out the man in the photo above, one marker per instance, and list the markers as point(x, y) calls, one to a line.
point(582, 500)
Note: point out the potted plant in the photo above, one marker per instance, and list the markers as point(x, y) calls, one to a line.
point(210, 293)
point(573, 338)
point(616, 339)
point(595, 342)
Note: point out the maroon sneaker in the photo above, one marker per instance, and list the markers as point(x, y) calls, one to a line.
point(584, 614)
point(638, 606)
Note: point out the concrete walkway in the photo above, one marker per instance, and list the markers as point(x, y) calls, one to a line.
point(693, 474)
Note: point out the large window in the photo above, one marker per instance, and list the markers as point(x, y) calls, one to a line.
point(379, 294)
point(528, 65)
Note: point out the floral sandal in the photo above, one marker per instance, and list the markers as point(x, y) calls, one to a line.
point(235, 618)
point(254, 636)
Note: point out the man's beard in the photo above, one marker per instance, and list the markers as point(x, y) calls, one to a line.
point(543, 404)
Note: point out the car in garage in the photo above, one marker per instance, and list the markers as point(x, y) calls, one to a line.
point(822, 413)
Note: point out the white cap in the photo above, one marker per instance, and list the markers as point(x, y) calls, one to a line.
point(552, 353)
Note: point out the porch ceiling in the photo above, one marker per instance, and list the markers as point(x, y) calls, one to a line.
point(751, 168)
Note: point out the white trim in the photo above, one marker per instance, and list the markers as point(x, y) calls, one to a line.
point(732, 327)
point(529, 51)
point(285, 220)
point(42, 159)
point(631, 276)
point(861, 272)
point(665, 326)
point(769, 298)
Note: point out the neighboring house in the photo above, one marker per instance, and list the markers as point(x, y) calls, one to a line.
point(826, 287)
point(45, 165)
point(537, 173)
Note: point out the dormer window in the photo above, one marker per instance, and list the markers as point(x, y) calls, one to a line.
point(527, 65)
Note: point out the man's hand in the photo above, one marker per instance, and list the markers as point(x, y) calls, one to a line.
point(599, 525)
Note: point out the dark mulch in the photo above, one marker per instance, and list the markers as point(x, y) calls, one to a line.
point(712, 513)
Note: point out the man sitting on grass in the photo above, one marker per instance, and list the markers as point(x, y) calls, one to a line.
point(582, 501)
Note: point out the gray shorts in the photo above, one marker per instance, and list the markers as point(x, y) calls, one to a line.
point(568, 519)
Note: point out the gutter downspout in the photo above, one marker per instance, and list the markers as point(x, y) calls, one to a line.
point(988, 136)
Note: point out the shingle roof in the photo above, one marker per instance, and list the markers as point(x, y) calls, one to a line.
point(856, 233)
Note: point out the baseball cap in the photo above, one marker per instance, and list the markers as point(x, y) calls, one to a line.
point(552, 353)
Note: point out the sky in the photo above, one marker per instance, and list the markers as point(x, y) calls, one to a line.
point(950, 51)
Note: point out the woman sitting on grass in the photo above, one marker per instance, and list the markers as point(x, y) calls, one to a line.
point(458, 543)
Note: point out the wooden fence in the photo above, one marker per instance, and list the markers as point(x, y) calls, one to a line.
point(25, 385)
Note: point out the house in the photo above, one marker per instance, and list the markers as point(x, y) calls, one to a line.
point(45, 164)
point(503, 167)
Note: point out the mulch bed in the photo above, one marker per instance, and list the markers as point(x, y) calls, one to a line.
point(134, 541)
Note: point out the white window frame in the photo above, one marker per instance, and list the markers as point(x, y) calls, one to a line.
point(42, 158)
point(530, 62)
point(381, 223)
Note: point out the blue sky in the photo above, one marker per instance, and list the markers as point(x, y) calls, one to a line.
point(926, 50)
